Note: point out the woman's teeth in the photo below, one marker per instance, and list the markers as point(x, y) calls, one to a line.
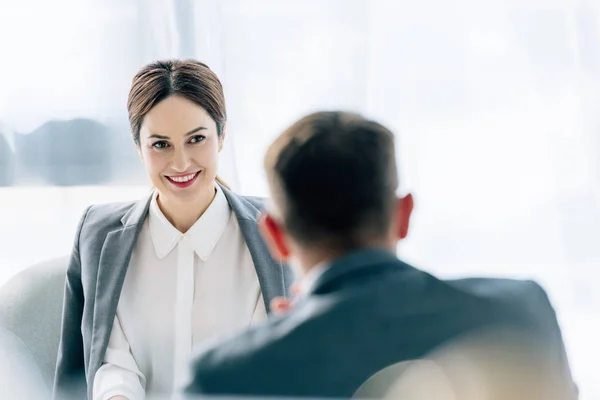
point(182, 178)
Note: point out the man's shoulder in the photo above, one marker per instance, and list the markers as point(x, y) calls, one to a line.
point(526, 306)
point(520, 301)
point(500, 290)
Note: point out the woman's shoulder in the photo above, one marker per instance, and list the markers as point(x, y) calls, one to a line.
point(244, 207)
point(110, 210)
point(105, 217)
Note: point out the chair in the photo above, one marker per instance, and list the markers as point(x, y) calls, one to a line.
point(31, 309)
point(20, 377)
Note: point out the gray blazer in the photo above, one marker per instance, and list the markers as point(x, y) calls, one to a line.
point(368, 311)
point(105, 239)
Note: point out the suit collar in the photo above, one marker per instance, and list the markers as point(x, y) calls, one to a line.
point(355, 265)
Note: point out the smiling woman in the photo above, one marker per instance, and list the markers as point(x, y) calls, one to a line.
point(178, 124)
point(149, 281)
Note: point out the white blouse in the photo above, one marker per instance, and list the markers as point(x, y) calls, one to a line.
point(180, 291)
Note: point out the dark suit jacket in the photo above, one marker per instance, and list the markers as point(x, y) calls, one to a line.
point(104, 242)
point(366, 312)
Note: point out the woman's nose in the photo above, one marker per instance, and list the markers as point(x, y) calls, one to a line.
point(181, 161)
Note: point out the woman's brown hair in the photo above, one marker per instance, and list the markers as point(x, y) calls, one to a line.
point(187, 78)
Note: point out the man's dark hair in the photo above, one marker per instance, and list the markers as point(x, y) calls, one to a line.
point(333, 177)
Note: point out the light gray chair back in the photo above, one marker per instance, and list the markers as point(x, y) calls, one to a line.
point(20, 378)
point(31, 308)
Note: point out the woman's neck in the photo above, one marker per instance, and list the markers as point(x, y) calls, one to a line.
point(183, 215)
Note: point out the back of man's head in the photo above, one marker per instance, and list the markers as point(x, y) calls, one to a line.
point(333, 180)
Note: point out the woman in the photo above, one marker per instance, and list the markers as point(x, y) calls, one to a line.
point(149, 281)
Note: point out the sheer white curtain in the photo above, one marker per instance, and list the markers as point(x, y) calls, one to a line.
point(205, 35)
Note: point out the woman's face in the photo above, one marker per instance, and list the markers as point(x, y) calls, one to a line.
point(179, 145)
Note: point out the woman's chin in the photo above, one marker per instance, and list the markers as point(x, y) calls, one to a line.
point(192, 193)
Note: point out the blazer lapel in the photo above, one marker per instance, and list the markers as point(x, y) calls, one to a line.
point(274, 277)
point(114, 261)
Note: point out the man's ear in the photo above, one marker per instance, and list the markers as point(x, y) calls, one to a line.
point(274, 235)
point(403, 212)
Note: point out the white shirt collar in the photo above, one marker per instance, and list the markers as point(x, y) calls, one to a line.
point(204, 234)
point(307, 282)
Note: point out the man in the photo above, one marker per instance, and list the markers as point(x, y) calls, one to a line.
point(336, 218)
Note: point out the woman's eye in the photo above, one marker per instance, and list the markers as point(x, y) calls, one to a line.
point(160, 145)
point(197, 139)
